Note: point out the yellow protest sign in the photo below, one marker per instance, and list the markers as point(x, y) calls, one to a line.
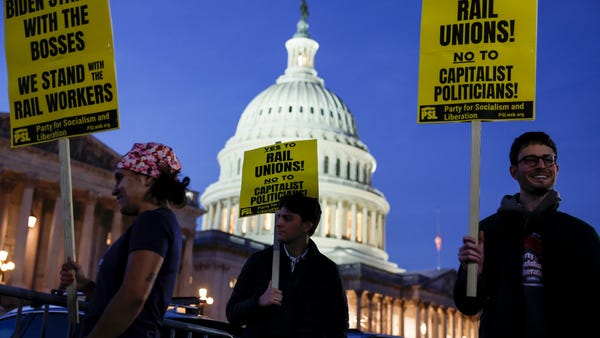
point(273, 171)
point(477, 60)
point(61, 69)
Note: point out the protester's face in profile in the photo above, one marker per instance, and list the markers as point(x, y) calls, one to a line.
point(536, 169)
point(289, 226)
point(130, 189)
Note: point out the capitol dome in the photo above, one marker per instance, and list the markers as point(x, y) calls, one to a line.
point(299, 107)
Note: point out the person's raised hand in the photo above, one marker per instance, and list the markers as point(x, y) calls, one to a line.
point(471, 251)
point(69, 271)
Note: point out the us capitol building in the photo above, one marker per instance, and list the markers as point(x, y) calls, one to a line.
point(382, 297)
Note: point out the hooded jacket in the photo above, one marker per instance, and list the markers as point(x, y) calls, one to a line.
point(570, 273)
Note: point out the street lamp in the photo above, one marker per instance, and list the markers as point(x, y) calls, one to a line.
point(203, 299)
point(31, 221)
point(423, 329)
point(4, 265)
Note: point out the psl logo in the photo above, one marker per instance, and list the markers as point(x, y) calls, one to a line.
point(428, 113)
point(246, 211)
point(21, 135)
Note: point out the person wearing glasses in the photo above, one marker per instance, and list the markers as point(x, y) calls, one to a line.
point(538, 268)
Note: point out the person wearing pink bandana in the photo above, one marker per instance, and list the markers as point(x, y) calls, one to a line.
point(136, 276)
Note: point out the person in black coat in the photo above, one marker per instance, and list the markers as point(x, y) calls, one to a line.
point(310, 301)
point(538, 269)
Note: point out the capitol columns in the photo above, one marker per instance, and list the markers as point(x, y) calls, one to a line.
point(398, 317)
point(362, 237)
point(87, 231)
point(376, 312)
point(336, 230)
point(17, 276)
point(206, 219)
point(7, 186)
point(367, 304)
point(320, 232)
point(217, 224)
point(353, 222)
point(355, 307)
point(369, 227)
point(387, 314)
point(55, 244)
point(441, 321)
point(116, 225)
point(411, 318)
point(185, 277)
point(229, 218)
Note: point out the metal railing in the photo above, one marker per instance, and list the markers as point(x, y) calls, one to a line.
point(14, 300)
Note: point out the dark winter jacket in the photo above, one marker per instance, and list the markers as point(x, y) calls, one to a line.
point(314, 300)
point(570, 270)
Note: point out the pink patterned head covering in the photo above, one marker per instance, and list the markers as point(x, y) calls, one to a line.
point(150, 159)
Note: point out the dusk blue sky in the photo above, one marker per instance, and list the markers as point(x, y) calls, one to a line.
point(187, 69)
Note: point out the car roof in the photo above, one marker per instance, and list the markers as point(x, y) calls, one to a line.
point(173, 318)
point(36, 309)
point(179, 313)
